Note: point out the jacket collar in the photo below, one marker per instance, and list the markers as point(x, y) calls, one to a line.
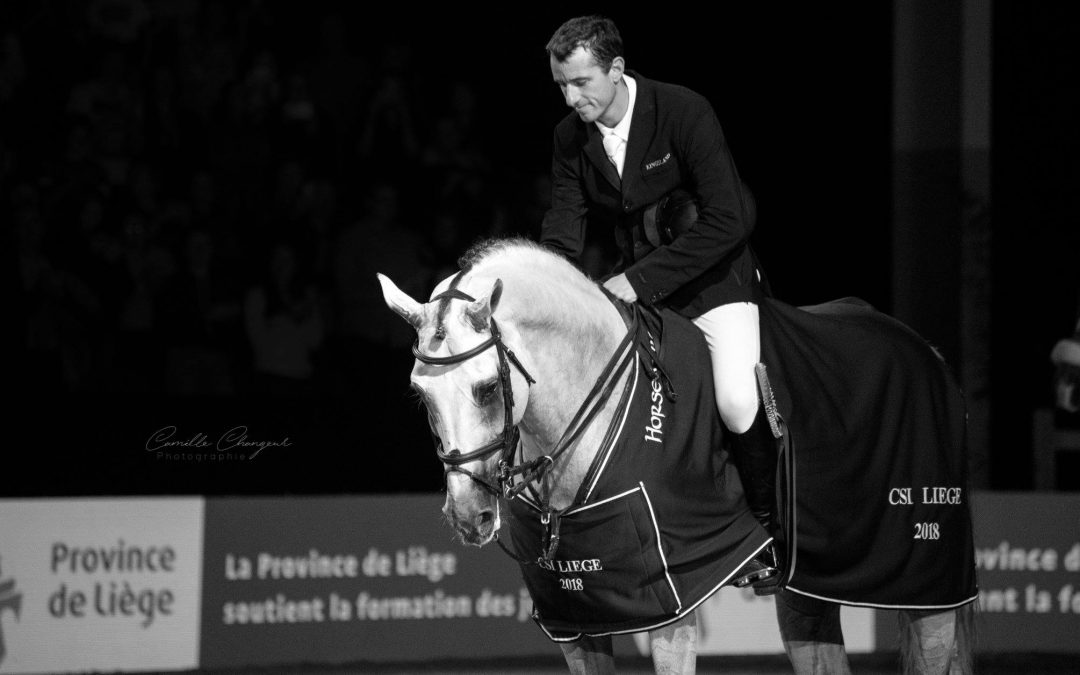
point(642, 129)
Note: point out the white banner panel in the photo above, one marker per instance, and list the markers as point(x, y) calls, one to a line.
point(100, 584)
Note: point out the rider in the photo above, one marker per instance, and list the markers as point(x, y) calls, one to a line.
point(629, 142)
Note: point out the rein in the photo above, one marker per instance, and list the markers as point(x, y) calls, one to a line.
point(623, 356)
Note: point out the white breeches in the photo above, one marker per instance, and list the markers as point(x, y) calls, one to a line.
point(734, 340)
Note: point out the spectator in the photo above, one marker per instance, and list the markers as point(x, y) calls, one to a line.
point(119, 21)
point(54, 304)
point(208, 48)
point(377, 242)
point(389, 138)
point(320, 223)
point(199, 322)
point(302, 126)
point(78, 168)
point(166, 125)
point(115, 112)
point(367, 348)
point(339, 81)
point(284, 325)
point(284, 212)
point(240, 148)
point(12, 66)
point(1066, 359)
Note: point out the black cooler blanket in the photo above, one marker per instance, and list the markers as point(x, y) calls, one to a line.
point(663, 525)
point(876, 465)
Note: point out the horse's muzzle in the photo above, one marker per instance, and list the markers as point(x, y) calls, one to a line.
point(476, 526)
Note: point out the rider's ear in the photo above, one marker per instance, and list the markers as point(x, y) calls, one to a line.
point(479, 312)
point(399, 301)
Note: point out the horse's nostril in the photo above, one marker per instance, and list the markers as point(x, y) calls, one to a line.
point(486, 518)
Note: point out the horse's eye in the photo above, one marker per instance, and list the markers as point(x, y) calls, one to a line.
point(484, 392)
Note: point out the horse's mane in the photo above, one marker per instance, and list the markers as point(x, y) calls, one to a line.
point(490, 248)
point(482, 248)
point(554, 282)
point(517, 250)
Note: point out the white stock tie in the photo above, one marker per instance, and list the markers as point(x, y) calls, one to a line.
point(612, 142)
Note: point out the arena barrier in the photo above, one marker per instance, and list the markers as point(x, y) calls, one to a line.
point(141, 584)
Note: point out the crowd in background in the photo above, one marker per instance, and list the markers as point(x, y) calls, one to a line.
point(199, 194)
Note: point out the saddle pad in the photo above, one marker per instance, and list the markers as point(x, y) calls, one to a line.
point(876, 425)
point(665, 518)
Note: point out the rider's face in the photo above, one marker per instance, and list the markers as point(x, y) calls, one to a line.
point(587, 89)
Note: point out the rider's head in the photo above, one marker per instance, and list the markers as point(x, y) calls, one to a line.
point(597, 35)
point(586, 56)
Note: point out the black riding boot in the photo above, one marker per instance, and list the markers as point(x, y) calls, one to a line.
point(755, 456)
point(754, 453)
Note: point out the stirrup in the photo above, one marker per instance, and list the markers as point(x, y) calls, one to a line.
point(761, 573)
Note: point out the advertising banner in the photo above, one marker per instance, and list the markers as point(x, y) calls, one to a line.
point(346, 579)
point(353, 579)
point(160, 584)
point(1027, 551)
point(99, 584)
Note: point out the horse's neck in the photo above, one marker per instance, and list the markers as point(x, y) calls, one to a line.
point(570, 367)
point(571, 468)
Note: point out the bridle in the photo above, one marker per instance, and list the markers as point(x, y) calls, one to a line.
point(507, 441)
point(505, 482)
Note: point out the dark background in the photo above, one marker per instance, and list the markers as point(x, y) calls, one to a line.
point(155, 158)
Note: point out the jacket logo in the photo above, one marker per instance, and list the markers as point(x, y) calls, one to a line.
point(659, 162)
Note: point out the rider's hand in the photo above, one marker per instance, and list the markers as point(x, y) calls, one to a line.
point(621, 288)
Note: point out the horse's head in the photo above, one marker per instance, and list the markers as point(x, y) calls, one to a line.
point(474, 389)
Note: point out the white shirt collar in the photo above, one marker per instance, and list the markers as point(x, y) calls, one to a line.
point(622, 129)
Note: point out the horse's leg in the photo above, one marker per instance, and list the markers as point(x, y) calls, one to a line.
point(589, 656)
point(937, 643)
point(674, 646)
point(810, 629)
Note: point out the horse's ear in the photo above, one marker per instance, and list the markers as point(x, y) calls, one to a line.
point(479, 311)
point(399, 301)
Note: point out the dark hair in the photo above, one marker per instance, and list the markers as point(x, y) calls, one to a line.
point(596, 34)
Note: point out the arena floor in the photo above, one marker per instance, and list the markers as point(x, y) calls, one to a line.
point(861, 664)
